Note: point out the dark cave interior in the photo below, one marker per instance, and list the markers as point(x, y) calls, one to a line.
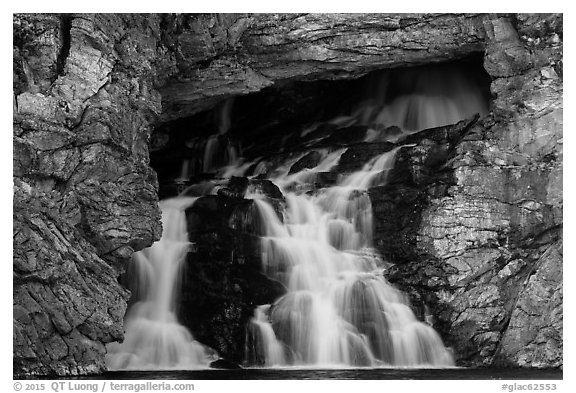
point(276, 120)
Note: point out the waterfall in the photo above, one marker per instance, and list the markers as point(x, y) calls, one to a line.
point(154, 339)
point(339, 309)
point(420, 98)
point(260, 330)
point(184, 171)
point(219, 150)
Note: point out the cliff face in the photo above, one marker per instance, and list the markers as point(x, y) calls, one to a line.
point(499, 224)
point(485, 235)
point(84, 195)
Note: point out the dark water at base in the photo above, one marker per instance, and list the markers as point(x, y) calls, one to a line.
point(364, 374)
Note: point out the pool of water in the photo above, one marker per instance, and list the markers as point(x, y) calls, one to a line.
point(317, 374)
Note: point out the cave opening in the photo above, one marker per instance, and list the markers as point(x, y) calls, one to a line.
point(274, 218)
point(281, 119)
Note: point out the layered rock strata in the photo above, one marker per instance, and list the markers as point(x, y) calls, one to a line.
point(84, 196)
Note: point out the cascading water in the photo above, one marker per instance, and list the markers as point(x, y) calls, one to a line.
point(154, 339)
point(219, 150)
point(421, 98)
point(339, 309)
point(397, 103)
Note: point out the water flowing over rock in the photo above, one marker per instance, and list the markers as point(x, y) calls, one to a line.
point(154, 337)
point(467, 222)
point(339, 310)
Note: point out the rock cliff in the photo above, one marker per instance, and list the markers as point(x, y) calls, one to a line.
point(84, 196)
point(497, 229)
point(481, 231)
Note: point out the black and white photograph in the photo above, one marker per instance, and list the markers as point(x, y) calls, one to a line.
point(286, 196)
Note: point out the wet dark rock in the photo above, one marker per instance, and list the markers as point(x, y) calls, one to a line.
point(386, 133)
point(359, 154)
point(239, 187)
point(267, 188)
point(440, 135)
point(310, 160)
point(345, 136)
point(325, 179)
point(222, 281)
point(236, 187)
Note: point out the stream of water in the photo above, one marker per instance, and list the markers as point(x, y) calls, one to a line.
point(154, 339)
point(339, 312)
point(339, 309)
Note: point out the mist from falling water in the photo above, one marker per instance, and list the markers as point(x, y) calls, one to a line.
point(154, 339)
point(415, 99)
point(339, 310)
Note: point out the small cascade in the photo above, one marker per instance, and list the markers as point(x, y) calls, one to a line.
point(184, 171)
point(219, 150)
point(378, 165)
point(285, 180)
point(211, 153)
point(272, 351)
point(349, 201)
point(339, 310)
point(238, 168)
point(224, 116)
point(154, 339)
point(420, 98)
point(210, 150)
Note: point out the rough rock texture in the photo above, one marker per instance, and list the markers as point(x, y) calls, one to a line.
point(225, 55)
point(487, 239)
point(67, 302)
point(223, 280)
point(496, 232)
point(85, 197)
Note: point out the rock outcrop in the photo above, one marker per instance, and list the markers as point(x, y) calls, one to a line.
point(226, 55)
point(496, 231)
point(85, 198)
point(67, 302)
point(480, 242)
point(223, 281)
